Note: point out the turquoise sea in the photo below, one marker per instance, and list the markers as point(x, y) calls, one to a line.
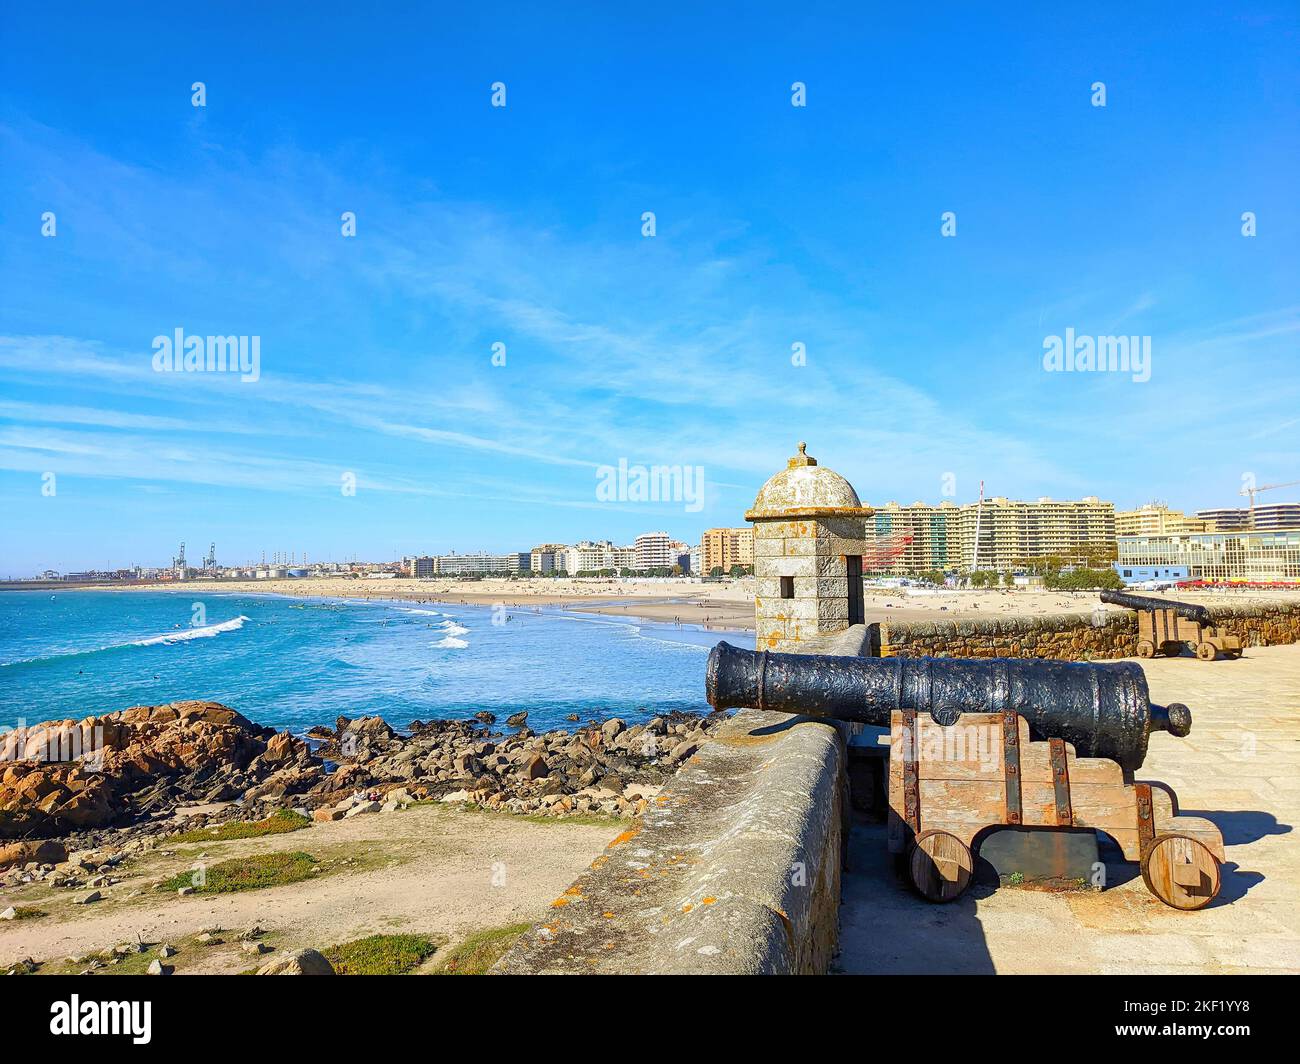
point(293, 663)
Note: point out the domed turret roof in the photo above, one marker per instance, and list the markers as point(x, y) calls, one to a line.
point(805, 488)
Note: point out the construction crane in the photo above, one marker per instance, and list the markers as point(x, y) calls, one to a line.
point(179, 561)
point(210, 562)
point(1263, 487)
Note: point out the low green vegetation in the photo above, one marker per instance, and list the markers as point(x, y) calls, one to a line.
point(246, 873)
point(28, 912)
point(279, 822)
point(380, 954)
point(1083, 580)
point(479, 951)
point(107, 962)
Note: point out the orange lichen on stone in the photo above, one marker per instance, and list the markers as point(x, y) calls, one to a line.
point(608, 916)
point(602, 859)
point(626, 836)
point(707, 901)
point(687, 907)
point(574, 891)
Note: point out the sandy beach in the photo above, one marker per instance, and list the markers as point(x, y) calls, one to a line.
point(727, 605)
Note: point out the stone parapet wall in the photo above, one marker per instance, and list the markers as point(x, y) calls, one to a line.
point(1070, 636)
point(735, 868)
point(1260, 626)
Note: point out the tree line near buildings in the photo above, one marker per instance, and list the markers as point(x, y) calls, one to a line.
point(1055, 578)
point(564, 574)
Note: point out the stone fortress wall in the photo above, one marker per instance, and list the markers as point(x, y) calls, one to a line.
point(1068, 636)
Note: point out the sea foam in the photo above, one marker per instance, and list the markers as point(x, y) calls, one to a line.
point(181, 635)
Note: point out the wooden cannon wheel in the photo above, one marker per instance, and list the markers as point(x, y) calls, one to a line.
point(1207, 651)
point(1146, 648)
point(940, 865)
point(1181, 872)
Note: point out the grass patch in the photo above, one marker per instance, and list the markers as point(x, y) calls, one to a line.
point(481, 950)
point(279, 822)
point(130, 964)
point(28, 912)
point(247, 873)
point(380, 954)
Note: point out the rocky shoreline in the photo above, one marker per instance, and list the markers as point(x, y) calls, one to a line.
point(149, 772)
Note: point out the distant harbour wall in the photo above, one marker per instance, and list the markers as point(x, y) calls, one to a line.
point(1069, 636)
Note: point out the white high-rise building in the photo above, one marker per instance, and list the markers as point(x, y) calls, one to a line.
point(654, 550)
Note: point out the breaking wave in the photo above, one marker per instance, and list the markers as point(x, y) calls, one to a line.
point(181, 635)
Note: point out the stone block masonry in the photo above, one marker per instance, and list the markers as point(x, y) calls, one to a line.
point(734, 870)
point(1071, 636)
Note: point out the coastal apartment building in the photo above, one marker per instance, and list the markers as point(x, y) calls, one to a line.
point(681, 554)
point(1274, 516)
point(592, 557)
point(541, 559)
point(1156, 517)
point(933, 533)
point(481, 564)
point(654, 550)
point(1259, 556)
point(1011, 533)
point(721, 548)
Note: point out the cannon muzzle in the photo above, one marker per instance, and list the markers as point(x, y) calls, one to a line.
point(1103, 710)
point(1187, 610)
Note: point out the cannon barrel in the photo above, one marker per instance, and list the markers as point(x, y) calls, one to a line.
point(1102, 709)
point(1189, 611)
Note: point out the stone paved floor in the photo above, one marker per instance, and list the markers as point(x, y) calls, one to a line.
point(1240, 768)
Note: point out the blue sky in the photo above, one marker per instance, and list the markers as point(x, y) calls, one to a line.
point(776, 225)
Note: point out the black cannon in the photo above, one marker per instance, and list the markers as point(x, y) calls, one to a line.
point(1103, 710)
point(1169, 627)
point(1187, 610)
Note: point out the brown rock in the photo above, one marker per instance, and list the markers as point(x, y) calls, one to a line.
point(300, 962)
point(280, 748)
point(45, 852)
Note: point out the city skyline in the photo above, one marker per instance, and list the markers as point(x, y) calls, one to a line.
point(1273, 515)
point(781, 233)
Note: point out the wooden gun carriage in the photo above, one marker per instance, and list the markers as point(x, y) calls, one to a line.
point(982, 744)
point(950, 784)
point(1166, 626)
